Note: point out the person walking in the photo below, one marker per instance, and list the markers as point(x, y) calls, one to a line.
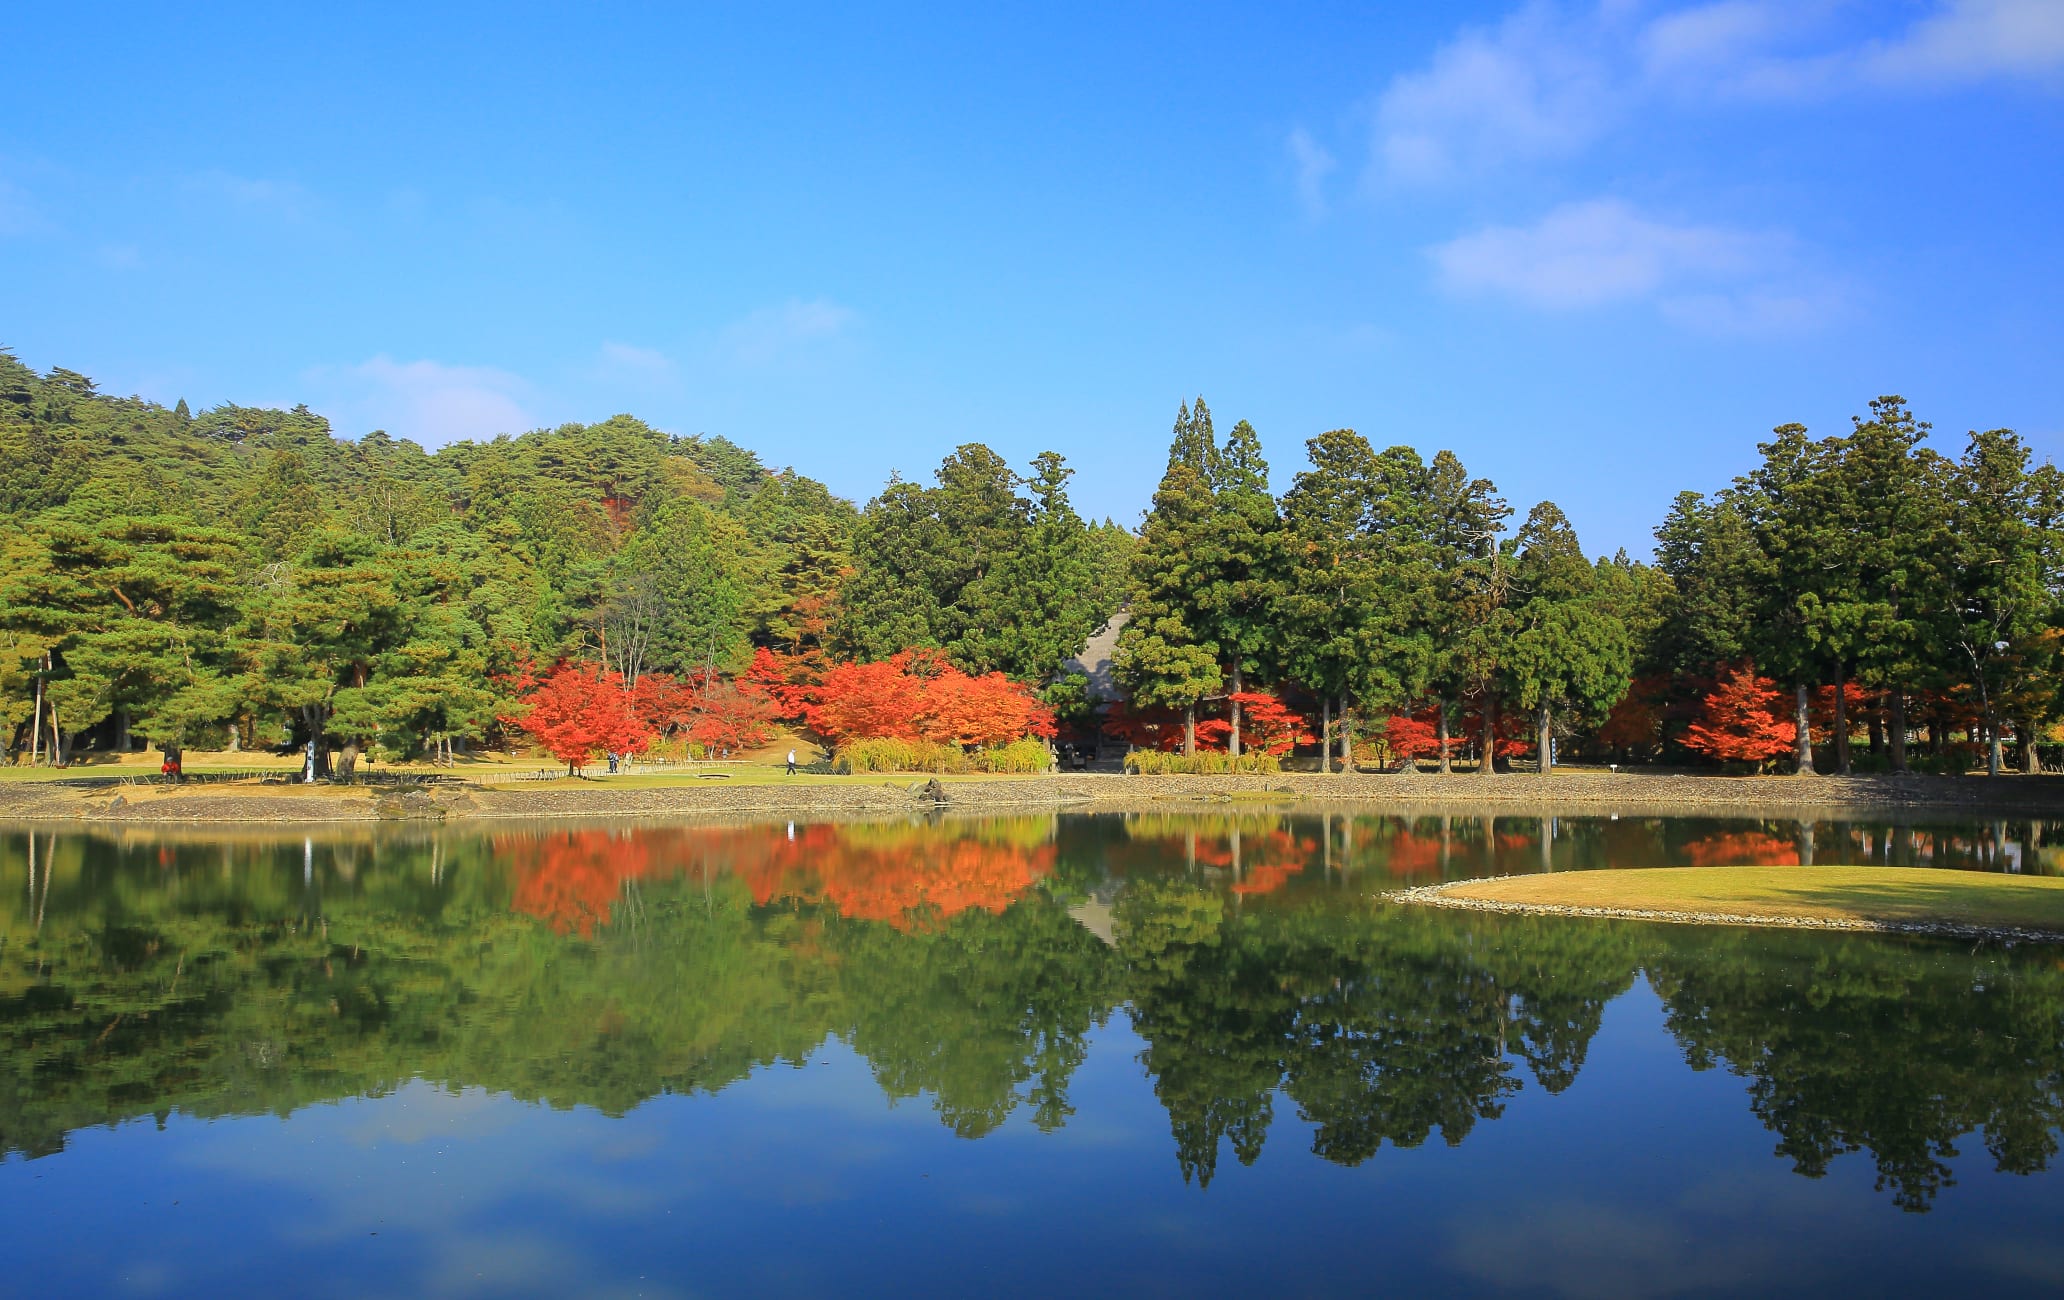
point(791, 762)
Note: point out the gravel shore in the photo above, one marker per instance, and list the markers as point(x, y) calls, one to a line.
point(1573, 792)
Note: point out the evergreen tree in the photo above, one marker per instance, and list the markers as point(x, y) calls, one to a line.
point(1040, 598)
point(1165, 656)
point(1239, 597)
point(1569, 647)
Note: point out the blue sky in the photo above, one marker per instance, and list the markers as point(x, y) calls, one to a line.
point(1597, 249)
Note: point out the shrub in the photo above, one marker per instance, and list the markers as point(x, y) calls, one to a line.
point(890, 755)
point(1021, 756)
point(1211, 762)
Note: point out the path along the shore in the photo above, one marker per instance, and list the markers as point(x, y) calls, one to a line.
point(1574, 792)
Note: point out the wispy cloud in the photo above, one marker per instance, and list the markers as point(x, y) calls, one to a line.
point(1585, 254)
point(1551, 79)
point(626, 362)
point(1974, 39)
point(279, 198)
point(1310, 164)
point(784, 332)
point(1604, 251)
point(427, 401)
point(1534, 85)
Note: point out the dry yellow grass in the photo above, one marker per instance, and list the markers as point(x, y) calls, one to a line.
point(1896, 895)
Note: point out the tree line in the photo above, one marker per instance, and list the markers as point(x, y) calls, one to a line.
point(243, 578)
point(1856, 582)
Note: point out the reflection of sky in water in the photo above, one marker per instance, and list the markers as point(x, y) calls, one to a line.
point(1642, 1177)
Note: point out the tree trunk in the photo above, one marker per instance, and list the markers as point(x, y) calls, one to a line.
point(1993, 756)
point(1896, 736)
point(1441, 734)
point(1488, 764)
point(1233, 740)
point(57, 752)
point(1346, 739)
point(36, 728)
point(1189, 731)
point(1803, 745)
point(1325, 734)
point(313, 716)
point(121, 731)
point(1874, 727)
point(1841, 724)
point(2031, 762)
point(347, 761)
point(1544, 738)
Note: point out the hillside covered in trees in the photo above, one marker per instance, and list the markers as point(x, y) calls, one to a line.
point(244, 578)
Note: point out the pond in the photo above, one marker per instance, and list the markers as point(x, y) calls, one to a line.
point(1182, 1054)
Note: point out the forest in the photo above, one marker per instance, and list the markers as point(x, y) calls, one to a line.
point(245, 578)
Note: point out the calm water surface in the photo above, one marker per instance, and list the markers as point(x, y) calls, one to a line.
point(1133, 1055)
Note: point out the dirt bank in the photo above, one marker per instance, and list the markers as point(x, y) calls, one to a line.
point(1572, 792)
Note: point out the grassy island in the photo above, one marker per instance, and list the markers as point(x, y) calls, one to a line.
point(1834, 897)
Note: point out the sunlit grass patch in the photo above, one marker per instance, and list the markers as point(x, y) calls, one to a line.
point(1908, 895)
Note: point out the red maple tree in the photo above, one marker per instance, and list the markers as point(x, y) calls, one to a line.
point(1738, 724)
point(1269, 726)
point(917, 695)
point(579, 711)
point(724, 715)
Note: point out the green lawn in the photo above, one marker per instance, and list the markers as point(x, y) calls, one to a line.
point(1897, 894)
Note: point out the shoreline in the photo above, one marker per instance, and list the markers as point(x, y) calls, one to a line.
point(1525, 794)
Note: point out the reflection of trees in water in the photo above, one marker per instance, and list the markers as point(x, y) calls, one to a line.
point(600, 968)
point(1898, 1049)
point(903, 874)
point(1380, 1025)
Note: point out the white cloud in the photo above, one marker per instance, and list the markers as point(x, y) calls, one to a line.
point(630, 363)
point(1551, 79)
point(1311, 163)
point(1534, 85)
point(780, 333)
point(1973, 39)
point(1600, 251)
point(277, 198)
point(427, 401)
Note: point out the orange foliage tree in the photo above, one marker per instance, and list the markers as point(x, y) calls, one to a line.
point(917, 695)
point(1738, 723)
point(1636, 722)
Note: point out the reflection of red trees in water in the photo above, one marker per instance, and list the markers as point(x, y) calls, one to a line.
point(1413, 855)
point(572, 879)
point(1267, 877)
point(867, 873)
point(1742, 849)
